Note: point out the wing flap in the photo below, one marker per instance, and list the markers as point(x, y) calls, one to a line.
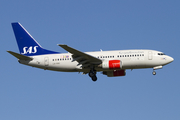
point(19, 56)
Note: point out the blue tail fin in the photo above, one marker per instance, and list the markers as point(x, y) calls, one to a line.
point(27, 44)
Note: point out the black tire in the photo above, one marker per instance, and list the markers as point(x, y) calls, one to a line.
point(91, 74)
point(154, 73)
point(94, 78)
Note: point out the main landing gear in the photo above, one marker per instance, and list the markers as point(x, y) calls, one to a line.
point(92, 74)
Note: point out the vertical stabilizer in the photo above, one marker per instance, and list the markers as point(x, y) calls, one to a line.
point(27, 44)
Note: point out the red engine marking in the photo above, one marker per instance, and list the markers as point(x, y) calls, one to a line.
point(114, 64)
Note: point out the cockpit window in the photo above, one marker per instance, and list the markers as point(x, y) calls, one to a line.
point(161, 54)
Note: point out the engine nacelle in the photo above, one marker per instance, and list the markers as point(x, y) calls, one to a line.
point(112, 64)
point(115, 73)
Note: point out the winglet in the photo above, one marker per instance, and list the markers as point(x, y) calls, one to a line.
point(19, 56)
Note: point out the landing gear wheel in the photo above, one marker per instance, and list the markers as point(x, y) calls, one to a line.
point(94, 78)
point(91, 74)
point(154, 73)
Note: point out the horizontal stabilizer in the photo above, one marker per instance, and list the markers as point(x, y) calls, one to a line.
point(19, 56)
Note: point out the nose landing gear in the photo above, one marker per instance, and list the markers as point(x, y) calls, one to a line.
point(154, 72)
point(155, 68)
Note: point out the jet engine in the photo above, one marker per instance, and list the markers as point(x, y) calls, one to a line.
point(115, 73)
point(112, 64)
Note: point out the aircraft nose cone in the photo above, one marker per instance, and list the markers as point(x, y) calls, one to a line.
point(171, 59)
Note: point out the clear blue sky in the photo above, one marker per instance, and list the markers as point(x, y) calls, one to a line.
point(28, 93)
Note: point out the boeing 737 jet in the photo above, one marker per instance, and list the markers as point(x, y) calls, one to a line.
point(110, 63)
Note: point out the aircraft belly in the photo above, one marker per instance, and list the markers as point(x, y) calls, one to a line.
point(134, 63)
point(63, 65)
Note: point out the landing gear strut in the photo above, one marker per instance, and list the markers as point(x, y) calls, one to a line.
point(92, 74)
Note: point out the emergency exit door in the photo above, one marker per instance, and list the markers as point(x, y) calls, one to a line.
point(46, 61)
point(150, 55)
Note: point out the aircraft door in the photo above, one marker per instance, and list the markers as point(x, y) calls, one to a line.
point(46, 61)
point(150, 56)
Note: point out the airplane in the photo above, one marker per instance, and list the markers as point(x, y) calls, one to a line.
point(111, 63)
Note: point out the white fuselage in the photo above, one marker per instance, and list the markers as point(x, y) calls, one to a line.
point(131, 59)
point(111, 63)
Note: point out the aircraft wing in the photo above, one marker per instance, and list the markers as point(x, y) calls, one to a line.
point(81, 57)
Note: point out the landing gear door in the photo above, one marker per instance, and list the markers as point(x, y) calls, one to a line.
point(46, 61)
point(150, 56)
